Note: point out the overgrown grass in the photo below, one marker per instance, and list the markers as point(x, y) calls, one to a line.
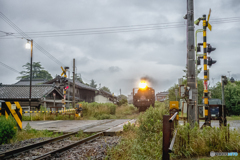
point(91, 111)
point(8, 129)
point(202, 141)
point(144, 139)
point(29, 133)
point(233, 118)
point(107, 111)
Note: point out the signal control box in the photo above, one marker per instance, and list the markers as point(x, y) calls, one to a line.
point(174, 107)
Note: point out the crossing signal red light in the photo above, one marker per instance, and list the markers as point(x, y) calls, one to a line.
point(210, 49)
point(210, 61)
point(66, 88)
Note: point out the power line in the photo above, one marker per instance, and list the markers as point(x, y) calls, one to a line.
point(91, 32)
point(25, 36)
point(14, 70)
point(118, 29)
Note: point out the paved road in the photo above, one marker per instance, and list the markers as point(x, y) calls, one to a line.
point(87, 126)
point(90, 126)
point(233, 123)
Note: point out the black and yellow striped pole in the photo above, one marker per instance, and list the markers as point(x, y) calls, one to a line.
point(207, 118)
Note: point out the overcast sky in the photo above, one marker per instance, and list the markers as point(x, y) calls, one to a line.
point(118, 60)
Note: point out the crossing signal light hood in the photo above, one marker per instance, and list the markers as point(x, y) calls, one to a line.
point(210, 61)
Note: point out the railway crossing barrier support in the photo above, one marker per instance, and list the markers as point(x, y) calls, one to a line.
point(168, 127)
point(14, 109)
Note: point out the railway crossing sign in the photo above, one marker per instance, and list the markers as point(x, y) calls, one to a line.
point(14, 109)
point(64, 72)
point(208, 24)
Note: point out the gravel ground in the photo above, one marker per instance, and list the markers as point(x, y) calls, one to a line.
point(96, 149)
point(6, 147)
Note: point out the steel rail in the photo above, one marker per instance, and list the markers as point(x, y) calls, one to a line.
point(57, 151)
point(17, 151)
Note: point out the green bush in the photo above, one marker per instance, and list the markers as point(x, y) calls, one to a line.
point(8, 129)
point(98, 110)
point(102, 116)
point(122, 102)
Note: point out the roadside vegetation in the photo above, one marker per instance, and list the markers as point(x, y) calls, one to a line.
point(108, 111)
point(144, 139)
point(10, 134)
point(91, 111)
point(29, 133)
point(8, 129)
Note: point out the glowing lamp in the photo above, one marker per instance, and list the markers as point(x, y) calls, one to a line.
point(28, 46)
point(142, 85)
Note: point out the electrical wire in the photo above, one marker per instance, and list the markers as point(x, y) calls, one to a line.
point(118, 29)
point(75, 33)
point(25, 36)
point(14, 70)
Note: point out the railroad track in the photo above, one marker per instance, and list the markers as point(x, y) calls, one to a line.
point(48, 148)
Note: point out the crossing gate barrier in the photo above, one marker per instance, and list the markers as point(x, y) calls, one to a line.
point(14, 109)
point(62, 111)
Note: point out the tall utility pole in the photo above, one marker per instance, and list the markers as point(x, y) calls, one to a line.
point(192, 114)
point(69, 88)
point(73, 101)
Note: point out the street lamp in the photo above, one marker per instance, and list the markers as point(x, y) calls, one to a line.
point(28, 46)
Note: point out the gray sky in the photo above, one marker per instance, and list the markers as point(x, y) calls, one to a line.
point(118, 60)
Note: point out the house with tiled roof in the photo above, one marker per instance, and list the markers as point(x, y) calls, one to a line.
point(39, 94)
point(27, 81)
point(83, 92)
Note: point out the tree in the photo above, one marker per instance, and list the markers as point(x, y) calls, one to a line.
point(231, 94)
point(121, 97)
point(37, 72)
point(172, 95)
point(106, 89)
point(93, 84)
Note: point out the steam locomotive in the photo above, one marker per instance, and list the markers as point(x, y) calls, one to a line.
point(144, 97)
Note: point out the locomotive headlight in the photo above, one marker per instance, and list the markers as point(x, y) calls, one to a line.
point(142, 85)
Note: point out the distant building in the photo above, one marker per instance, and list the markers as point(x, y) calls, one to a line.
point(162, 96)
point(82, 92)
point(130, 98)
point(105, 97)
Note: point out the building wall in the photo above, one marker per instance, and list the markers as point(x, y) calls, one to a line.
point(101, 99)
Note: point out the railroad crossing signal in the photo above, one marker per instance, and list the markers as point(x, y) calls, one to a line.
point(210, 49)
point(64, 71)
point(208, 24)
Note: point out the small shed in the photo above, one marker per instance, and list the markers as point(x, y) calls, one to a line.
point(105, 97)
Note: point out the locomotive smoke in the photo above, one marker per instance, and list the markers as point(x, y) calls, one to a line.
point(150, 81)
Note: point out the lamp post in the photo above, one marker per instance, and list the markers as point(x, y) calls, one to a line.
point(28, 46)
